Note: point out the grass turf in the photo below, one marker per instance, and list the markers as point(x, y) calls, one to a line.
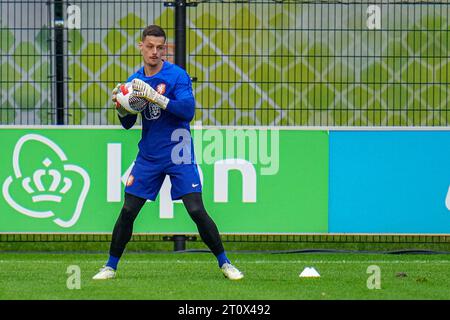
point(195, 276)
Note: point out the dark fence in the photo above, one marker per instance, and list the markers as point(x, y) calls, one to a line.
point(287, 238)
point(306, 243)
point(315, 63)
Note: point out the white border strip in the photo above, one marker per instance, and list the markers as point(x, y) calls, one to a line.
point(197, 127)
point(240, 259)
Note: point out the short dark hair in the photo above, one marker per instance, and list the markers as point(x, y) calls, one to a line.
point(153, 30)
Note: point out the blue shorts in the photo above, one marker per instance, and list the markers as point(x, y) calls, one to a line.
point(147, 177)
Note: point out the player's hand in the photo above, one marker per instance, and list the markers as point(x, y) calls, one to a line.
point(144, 90)
point(115, 92)
point(120, 110)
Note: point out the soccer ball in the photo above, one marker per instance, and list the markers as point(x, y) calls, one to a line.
point(128, 101)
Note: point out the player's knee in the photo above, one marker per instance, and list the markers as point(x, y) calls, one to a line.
point(127, 215)
point(198, 214)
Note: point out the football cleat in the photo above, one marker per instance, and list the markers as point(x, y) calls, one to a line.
point(231, 272)
point(105, 273)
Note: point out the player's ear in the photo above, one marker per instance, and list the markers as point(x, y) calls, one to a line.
point(140, 44)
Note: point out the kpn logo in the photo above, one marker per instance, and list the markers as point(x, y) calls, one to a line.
point(44, 184)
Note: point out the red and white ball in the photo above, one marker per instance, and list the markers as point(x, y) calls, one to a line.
point(128, 101)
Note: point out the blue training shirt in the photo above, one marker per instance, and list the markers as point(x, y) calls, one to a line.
point(158, 125)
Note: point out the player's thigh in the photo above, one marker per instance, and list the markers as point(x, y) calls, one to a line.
point(185, 179)
point(145, 180)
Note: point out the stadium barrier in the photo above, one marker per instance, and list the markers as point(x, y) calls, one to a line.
point(255, 180)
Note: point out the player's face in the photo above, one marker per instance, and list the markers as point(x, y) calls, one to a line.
point(152, 50)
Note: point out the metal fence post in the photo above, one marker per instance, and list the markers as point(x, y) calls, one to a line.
point(180, 33)
point(180, 60)
point(59, 60)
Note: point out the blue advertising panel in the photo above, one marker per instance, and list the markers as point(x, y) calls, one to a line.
point(389, 182)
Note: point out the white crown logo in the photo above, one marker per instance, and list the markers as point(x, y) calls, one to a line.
point(40, 188)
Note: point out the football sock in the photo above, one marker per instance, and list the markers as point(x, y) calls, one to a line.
point(112, 262)
point(222, 258)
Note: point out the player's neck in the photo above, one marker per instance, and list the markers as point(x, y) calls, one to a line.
point(152, 70)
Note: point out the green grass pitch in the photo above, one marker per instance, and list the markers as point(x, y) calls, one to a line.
point(195, 276)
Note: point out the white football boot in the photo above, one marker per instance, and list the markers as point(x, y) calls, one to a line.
point(231, 272)
point(105, 273)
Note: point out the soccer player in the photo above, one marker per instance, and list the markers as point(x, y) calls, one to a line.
point(170, 107)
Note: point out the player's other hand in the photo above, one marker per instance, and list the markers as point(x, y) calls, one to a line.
point(120, 110)
point(115, 92)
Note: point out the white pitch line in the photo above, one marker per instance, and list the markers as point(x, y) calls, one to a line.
point(239, 261)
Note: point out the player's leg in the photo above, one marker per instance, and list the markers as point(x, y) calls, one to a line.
point(123, 229)
point(143, 183)
point(207, 229)
point(209, 233)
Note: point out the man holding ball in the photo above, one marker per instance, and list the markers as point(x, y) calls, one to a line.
point(169, 106)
